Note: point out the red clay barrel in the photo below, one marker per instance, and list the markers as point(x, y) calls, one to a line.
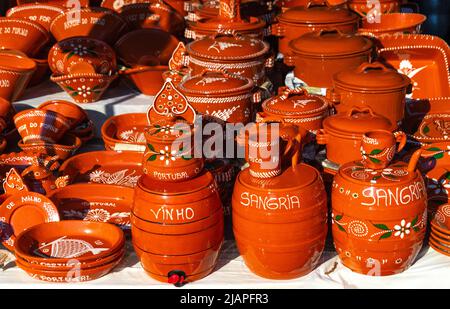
point(280, 223)
point(177, 226)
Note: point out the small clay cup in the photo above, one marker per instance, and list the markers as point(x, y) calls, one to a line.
point(378, 147)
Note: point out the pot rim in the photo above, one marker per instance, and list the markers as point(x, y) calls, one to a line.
point(308, 24)
point(64, 77)
point(218, 93)
point(16, 69)
point(33, 24)
point(420, 19)
point(331, 57)
point(298, 115)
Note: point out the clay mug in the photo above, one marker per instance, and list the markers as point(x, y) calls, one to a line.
point(264, 149)
point(378, 147)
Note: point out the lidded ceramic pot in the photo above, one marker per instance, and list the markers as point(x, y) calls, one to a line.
point(234, 53)
point(280, 223)
point(374, 85)
point(379, 216)
point(342, 133)
point(315, 16)
point(317, 56)
point(299, 107)
point(229, 19)
point(224, 96)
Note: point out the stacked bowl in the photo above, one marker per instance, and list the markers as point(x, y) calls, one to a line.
point(69, 251)
point(440, 230)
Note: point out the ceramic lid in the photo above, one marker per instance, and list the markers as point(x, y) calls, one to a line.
point(330, 43)
point(295, 102)
point(218, 24)
point(215, 82)
point(228, 47)
point(202, 181)
point(371, 76)
point(395, 174)
point(317, 14)
point(356, 121)
point(303, 175)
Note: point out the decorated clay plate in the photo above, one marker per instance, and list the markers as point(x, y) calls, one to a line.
point(105, 167)
point(95, 202)
point(423, 58)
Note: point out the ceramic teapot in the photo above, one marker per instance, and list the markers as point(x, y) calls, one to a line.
point(379, 214)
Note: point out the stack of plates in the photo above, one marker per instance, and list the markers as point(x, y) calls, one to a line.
point(69, 251)
point(440, 230)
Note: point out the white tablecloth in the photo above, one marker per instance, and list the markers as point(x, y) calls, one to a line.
point(431, 270)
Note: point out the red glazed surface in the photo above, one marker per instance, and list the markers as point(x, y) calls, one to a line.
point(148, 79)
point(95, 202)
point(393, 23)
point(29, 37)
point(107, 167)
point(75, 50)
point(73, 113)
point(280, 223)
point(125, 132)
point(386, 6)
point(15, 74)
point(65, 147)
point(83, 3)
point(42, 14)
point(102, 24)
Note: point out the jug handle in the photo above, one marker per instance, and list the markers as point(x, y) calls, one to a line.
point(422, 153)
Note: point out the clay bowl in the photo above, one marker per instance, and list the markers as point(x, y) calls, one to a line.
point(65, 147)
point(56, 242)
point(41, 13)
point(84, 87)
point(108, 167)
point(72, 51)
point(125, 132)
point(195, 263)
point(94, 202)
point(393, 23)
point(29, 37)
point(70, 265)
point(71, 111)
point(15, 74)
point(148, 79)
point(102, 24)
point(35, 125)
point(180, 244)
point(80, 275)
point(85, 131)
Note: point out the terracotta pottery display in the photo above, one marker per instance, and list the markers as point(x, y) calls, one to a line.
point(423, 58)
point(95, 202)
point(105, 167)
point(317, 56)
point(28, 36)
point(226, 97)
point(125, 132)
point(84, 87)
point(15, 74)
point(393, 23)
point(299, 107)
point(65, 147)
point(74, 114)
point(279, 223)
point(379, 216)
point(83, 3)
point(35, 125)
point(98, 23)
point(59, 242)
point(314, 17)
point(228, 19)
point(42, 14)
point(363, 8)
point(374, 85)
point(23, 210)
point(69, 52)
point(342, 133)
point(153, 14)
point(237, 54)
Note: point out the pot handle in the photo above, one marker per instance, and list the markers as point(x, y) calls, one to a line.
point(286, 92)
point(357, 109)
point(366, 66)
point(289, 60)
point(226, 32)
point(321, 32)
point(313, 3)
point(401, 139)
point(422, 153)
point(333, 96)
point(322, 137)
point(278, 30)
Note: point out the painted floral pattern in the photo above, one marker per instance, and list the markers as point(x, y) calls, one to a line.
point(394, 173)
point(166, 154)
point(123, 177)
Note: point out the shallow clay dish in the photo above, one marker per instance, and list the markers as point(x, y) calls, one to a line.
point(125, 132)
point(28, 37)
point(42, 14)
point(95, 202)
point(15, 73)
point(107, 167)
point(56, 242)
point(72, 51)
point(22, 211)
point(423, 58)
point(393, 23)
point(65, 147)
point(102, 24)
point(73, 113)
